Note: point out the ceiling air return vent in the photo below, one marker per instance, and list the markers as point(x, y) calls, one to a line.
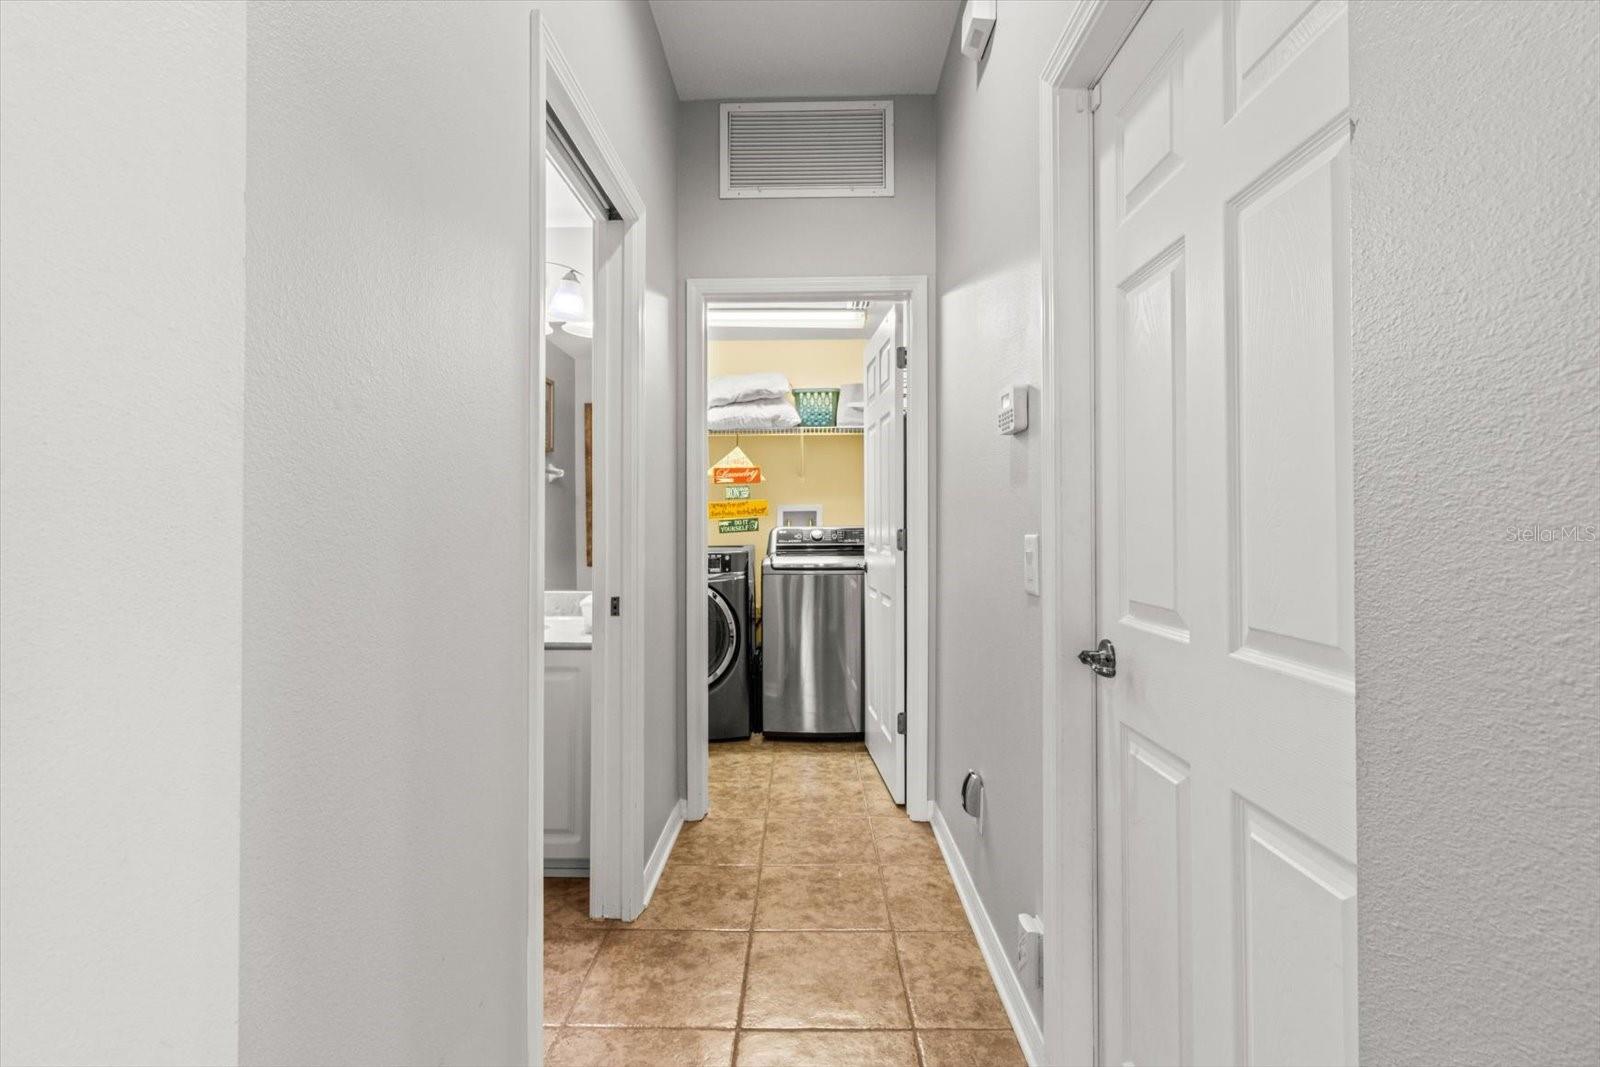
point(824, 148)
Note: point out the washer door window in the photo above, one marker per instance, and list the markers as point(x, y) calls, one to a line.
point(722, 643)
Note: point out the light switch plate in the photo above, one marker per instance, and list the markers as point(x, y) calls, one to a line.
point(1030, 564)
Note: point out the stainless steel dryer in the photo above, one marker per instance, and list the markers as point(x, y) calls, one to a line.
point(811, 605)
point(730, 642)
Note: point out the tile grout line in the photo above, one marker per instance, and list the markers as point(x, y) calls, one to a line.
point(750, 934)
point(605, 935)
point(894, 945)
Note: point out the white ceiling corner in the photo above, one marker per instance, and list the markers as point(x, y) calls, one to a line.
point(562, 208)
point(775, 49)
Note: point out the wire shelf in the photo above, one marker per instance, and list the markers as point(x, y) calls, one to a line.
point(798, 431)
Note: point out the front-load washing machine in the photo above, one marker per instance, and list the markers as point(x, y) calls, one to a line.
point(730, 642)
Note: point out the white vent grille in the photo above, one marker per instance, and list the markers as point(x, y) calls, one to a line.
point(827, 148)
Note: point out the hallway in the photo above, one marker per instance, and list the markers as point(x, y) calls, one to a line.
point(1152, 448)
point(805, 921)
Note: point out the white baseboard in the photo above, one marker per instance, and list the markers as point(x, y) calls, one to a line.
point(663, 849)
point(1029, 1034)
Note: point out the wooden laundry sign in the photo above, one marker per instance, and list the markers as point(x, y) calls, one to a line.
point(735, 475)
point(737, 492)
point(735, 509)
point(735, 468)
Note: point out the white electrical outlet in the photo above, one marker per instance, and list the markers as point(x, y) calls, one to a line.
point(1030, 951)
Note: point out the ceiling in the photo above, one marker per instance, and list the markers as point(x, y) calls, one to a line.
point(761, 49)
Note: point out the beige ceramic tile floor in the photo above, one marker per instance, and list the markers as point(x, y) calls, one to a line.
point(805, 921)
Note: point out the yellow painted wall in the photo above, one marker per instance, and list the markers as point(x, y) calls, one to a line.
point(825, 471)
point(821, 364)
point(829, 475)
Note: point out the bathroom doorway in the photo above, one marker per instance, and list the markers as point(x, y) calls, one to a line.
point(585, 821)
point(573, 211)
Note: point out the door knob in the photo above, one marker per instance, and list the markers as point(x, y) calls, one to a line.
point(1101, 659)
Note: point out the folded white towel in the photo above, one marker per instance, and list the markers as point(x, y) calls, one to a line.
point(742, 388)
point(852, 406)
point(756, 415)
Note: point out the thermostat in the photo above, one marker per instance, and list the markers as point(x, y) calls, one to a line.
point(1013, 417)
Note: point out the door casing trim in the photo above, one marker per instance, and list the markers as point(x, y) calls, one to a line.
point(921, 472)
point(1081, 55)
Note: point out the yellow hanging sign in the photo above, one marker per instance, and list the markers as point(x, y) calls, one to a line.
point(736, 475)
point(736, 509)
point(735, 468)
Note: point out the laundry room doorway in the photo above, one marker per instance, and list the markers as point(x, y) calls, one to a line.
point(809, 417)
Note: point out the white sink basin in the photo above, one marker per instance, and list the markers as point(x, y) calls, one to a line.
point(565, 630)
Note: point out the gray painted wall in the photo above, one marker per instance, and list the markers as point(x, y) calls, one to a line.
point(761, 238)
point(122, 305)
point(1475, 381)
point(387, 513)
point(988, 683)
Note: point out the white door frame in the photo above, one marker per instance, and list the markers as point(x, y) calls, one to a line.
point(1081, 55)
point(616, 868)
point(922, 545)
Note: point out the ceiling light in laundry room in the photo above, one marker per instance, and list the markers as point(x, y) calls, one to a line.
point(834, 315)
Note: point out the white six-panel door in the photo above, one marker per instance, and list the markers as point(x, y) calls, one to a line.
point(1227, 743)
point(885, 622)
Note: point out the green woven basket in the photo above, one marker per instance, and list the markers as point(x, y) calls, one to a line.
point(817, 407)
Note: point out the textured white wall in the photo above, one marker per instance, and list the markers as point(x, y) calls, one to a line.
point(763, 238)
point(387, 512)
point(386, 524)
point(1477, 316)
point(121, 365)
point(989, 702)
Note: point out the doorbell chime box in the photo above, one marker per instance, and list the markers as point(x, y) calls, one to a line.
point(1013, 416)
